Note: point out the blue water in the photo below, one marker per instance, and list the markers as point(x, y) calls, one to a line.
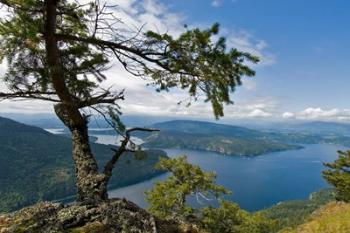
point(256, 182)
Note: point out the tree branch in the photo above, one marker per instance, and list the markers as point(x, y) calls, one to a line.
point(105, 98)
point(122, 148)
point(29, 95)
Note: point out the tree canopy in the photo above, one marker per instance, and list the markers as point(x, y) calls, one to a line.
point(90, 35)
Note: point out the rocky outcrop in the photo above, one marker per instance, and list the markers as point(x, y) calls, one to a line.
point(115, 216)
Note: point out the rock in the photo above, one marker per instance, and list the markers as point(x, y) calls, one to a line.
point(113, 216)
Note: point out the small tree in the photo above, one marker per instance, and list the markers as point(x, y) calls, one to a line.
point(168, 199)
point(229, 218)
point(58, 51)
point(338, 175)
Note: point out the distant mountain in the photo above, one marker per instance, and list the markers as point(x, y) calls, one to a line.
point(225, 139)
point(322, 127)
point(205, 128)
point(310, 127)
point(36, 165)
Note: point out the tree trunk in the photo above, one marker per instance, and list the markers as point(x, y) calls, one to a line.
point(91, 185)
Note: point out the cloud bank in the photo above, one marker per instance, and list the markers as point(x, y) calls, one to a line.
point(317, 113)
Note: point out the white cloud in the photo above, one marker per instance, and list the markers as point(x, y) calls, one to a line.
point(250, 84)
point(288, 115)
point(247, 42)
point(259, 113)
point(317, 113)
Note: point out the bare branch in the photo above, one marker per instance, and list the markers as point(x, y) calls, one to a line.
point(121, 149)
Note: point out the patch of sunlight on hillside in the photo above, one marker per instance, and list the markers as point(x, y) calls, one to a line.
point(331, 218)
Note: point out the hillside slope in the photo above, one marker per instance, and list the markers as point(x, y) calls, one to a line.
point(36, 165)
point(331, 218)
point(295, 212)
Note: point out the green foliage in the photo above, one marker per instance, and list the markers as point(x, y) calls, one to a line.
point(203, 64)
point(296, 212)
point(229, 218)
point(168, 199)
point(338, 175)
point(23, 47)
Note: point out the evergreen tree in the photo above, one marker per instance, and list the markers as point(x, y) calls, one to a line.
point(229, 218)
point(58, 50)
point(338, 175)
point(169, 200)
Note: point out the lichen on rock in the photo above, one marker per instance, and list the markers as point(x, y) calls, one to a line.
point(112, 216)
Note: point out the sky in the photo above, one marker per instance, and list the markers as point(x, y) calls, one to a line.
point(303, 45)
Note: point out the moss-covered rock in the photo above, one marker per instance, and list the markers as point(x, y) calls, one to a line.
point(115, 216)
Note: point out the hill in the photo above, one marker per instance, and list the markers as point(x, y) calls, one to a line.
point(293, 213)
point(322, 127)
point(229, 139)
point(36, 165)
point(309, 127)
point(225, 139)
point(331, 218)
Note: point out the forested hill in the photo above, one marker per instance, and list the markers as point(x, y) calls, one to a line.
point(208, 128)
point(232, 140)
point(225, 139)
point(36, 165)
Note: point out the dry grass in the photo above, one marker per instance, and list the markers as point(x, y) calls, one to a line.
point(331, 218)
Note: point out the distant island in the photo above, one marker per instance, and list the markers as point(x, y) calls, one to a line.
point(220, 138)
point(231, 140)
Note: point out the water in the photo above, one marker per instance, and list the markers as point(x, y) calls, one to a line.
point(256, 182)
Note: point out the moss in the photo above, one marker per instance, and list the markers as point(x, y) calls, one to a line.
point(94, 227)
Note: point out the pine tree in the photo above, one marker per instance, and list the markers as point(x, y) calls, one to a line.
point(168, 199)
point(58, 51)
point(338, 175)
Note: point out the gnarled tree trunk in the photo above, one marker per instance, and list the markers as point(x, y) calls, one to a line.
point(91, 186)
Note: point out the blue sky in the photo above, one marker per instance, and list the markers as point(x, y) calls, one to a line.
point(310, 40)
point(304, 46)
